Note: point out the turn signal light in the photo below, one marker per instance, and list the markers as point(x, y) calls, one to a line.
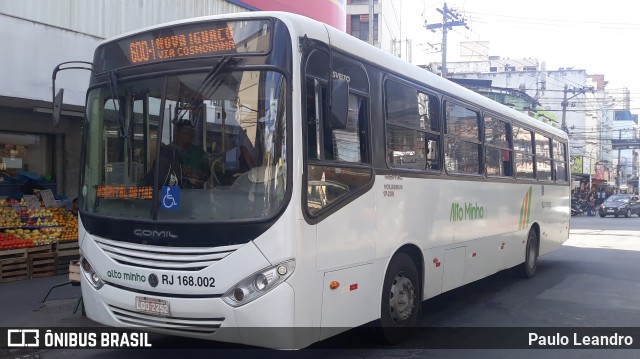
point(334, 284)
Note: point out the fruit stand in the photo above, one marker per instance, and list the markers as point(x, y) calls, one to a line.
point(35, 240)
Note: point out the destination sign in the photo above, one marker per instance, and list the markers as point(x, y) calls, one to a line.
point(194, 43)
point(185, 41)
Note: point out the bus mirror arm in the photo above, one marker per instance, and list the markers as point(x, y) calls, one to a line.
point(57, 98)
point(339, 111)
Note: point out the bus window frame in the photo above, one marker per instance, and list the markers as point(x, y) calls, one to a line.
point(560, 141)
point(480, 141)
point(440, 133)
point(533, 153)
point(94, 220)
point(509, 135)
point(328, 210)
point(550, 158)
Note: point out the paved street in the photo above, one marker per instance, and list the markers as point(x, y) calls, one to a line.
point(591, 281)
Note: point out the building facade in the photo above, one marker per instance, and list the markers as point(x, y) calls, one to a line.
point(386, 25)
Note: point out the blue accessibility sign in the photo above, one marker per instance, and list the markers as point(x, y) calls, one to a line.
point(170, 197)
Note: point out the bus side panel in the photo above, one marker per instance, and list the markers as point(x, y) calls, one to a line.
point(346, 298)
point(346, 237)
point(345, 253)
point(411, 210)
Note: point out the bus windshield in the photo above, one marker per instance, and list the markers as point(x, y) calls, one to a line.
point(188, 147)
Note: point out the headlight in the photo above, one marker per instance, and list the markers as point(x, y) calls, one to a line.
point(90, 274)
point(258, 284)
point(602, 206)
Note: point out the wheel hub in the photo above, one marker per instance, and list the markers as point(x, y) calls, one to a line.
point(401, 298)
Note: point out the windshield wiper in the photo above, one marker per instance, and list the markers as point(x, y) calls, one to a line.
point(113, 87)
point(204, 88)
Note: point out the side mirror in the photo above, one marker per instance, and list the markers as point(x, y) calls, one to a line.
point(57, 108)
point(339, 111)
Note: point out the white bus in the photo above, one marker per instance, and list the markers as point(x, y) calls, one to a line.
point(264, 170)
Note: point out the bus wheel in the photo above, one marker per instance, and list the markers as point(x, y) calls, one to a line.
point(528, 268)
point(400, 299)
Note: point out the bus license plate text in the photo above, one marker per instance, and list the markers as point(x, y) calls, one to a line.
point(153, 306)
point(188, 280)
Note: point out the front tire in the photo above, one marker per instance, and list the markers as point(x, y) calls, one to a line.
point(603, 215)
point(628, 213)
point(528, 268)
point(400, 304)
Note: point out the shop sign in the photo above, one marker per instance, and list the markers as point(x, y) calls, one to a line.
point(32, 201)
point(576, 164)
point(48, 198)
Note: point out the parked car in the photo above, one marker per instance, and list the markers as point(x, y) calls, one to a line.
point(620, 204)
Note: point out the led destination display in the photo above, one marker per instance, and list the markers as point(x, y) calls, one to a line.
point(186, 41)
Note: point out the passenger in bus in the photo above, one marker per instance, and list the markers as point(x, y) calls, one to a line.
point(506, 162)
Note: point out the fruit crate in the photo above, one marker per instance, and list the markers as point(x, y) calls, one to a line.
point(43, 264)
point(67, 252)
point(14, 265)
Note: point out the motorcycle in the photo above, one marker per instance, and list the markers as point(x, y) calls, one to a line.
point(580, 206)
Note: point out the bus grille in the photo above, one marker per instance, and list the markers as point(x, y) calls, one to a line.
point(155, 257)
point(174, 324)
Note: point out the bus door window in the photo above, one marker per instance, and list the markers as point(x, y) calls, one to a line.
point(335, 157)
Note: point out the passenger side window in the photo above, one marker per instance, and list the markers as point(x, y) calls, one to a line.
point(498, 153)
point(462, 140)
point(524, 156)
point(412, 128)
point(560, 161)
point(543, 157)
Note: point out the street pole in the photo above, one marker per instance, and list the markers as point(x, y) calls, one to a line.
point(564, 110)
point(443, 71)
point(371, 17)
point(450, 18)
point(618, 179)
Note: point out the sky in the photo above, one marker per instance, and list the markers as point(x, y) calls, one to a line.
point(601, 37)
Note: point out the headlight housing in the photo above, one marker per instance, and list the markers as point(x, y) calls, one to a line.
point(258, 284)
point(90, 274)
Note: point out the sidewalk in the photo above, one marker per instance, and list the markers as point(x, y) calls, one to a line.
point(21, 305)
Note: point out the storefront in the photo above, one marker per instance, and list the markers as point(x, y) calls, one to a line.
point(39, 162)
point(36, 155)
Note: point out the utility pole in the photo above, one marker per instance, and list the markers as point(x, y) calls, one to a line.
point(618, 167)
point(564, 110)
point(450, 18)
point(371, 18)
point(565, 102)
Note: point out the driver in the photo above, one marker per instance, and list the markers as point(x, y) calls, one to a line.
point(182, 162)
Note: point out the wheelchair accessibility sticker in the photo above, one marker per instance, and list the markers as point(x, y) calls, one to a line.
point(170, 197)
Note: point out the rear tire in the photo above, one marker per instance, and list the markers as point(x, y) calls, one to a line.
point(528, 268)
point(400, 304)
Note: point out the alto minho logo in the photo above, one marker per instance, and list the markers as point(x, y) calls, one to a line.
point(465, 212)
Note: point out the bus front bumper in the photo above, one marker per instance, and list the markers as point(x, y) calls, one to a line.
point(267, 321)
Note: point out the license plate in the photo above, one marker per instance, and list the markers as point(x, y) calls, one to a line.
point(153, 306)
point(609, 210)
